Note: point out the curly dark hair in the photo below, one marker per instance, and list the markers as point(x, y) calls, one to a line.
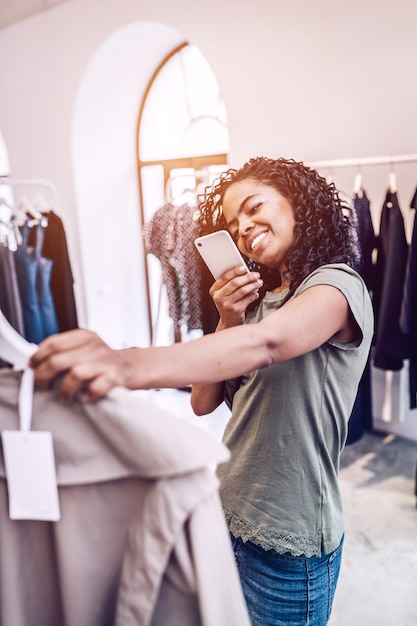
point(323, 230)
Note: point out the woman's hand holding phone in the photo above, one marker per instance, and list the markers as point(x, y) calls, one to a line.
point(232, 293)
point(235, 287)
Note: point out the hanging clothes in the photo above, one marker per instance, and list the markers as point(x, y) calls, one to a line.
point(34, 275)
point(45, 289)
point(10, 302)
point(142, 537)
point(366, 237)
point(55, 248)
point(392, 251)
point(361, 418)
point(169, 235)
point(408, 319)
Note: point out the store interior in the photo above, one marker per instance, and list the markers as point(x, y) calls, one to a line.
point(111, 109)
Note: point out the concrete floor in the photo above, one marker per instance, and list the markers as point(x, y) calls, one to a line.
point(378, 579)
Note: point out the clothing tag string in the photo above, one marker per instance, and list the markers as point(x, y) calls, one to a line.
point(25, 400)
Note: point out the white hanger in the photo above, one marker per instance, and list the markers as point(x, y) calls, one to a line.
point(13, 347)
point(357, 185)
point(6, 210)
point(392, 181)
point(40, 202)
point(8, 234)
point(26, 206)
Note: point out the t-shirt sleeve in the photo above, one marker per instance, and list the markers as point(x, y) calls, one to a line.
point(353, 288)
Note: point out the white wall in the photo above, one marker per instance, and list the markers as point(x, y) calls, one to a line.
point(311, 80)
point(299, 79)
point(105, 176)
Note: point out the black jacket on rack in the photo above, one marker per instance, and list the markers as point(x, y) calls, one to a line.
point(392, 251)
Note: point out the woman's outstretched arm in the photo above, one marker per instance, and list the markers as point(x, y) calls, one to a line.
point(87, 365)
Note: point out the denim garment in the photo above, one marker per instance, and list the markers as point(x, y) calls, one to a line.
point(286, 590)
point(34, 275)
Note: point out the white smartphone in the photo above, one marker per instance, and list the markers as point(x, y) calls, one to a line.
point(219, 252)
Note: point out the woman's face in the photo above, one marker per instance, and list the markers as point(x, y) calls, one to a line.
point(260, 220)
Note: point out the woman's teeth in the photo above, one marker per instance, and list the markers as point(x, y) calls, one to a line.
point(257, 240)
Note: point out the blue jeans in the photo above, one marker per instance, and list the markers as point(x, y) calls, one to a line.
point(285, 590)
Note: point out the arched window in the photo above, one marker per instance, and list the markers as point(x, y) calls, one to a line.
point(182, 142)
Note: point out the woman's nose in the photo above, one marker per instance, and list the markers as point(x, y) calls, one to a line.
point(245, 225)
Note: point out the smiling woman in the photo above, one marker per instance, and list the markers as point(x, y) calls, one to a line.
point(287, 361)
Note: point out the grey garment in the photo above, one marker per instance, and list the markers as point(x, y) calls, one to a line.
point(287, 430)
point(10, 302)
point(142, 539)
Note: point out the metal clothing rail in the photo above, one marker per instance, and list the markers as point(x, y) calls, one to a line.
point(359, 161)
point(32, 182)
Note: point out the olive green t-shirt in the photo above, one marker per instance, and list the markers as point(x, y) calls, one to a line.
point(287, 430)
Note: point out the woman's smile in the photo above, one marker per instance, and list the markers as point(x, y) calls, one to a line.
point(257, 239)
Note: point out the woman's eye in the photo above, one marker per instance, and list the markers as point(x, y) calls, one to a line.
point(255, 208)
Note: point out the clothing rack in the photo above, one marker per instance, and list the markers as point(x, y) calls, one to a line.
point(34, 183)
point(359, 161)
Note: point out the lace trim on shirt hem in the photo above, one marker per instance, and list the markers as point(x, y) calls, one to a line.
point(267, 539)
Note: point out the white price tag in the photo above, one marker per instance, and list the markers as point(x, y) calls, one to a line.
point(31, 476)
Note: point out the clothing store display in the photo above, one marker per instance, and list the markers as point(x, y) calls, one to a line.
point(142, 539)
point(169, 235)
point(298, 421)
point(37, 284)
point(388, 285)
point(34, 277)
point(392, 251)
